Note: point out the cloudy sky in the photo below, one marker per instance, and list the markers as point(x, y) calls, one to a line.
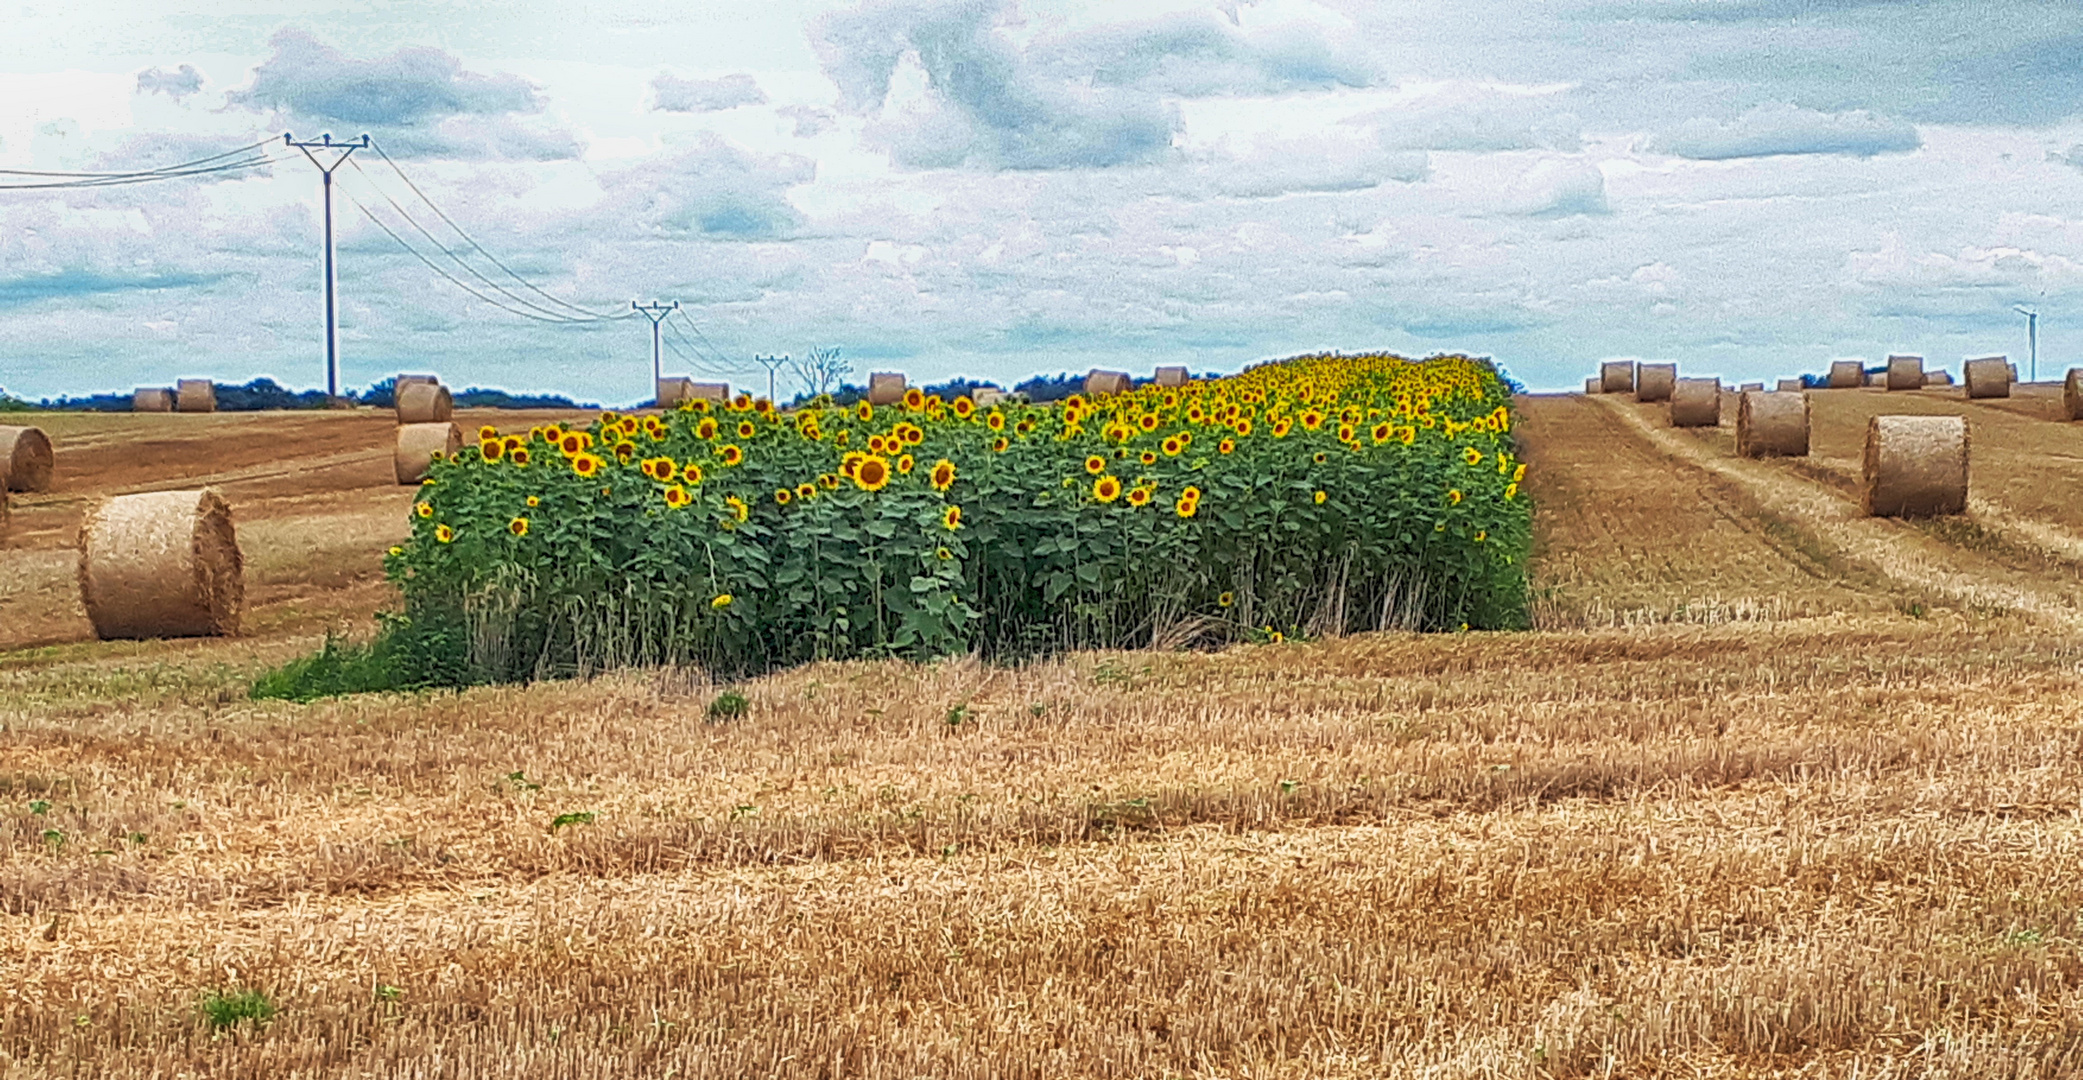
point(996, 188)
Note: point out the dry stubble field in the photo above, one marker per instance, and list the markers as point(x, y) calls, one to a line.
point(1773, 790)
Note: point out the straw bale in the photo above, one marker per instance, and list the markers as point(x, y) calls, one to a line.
point(399, 383)
point(1100, 383)
point(1592, 386)
point(885, 388)
point(672, 390)
point(161, 564)
point(1617, 377)
point(425, 403)
point(3, 510)
point(1171, 376)
point(25, 459)
point(195, 395)
point(1938, 378)
point(1772, 425)
point(1916, 466)
point(1846, 375)
point(1790, 386)
point(152, 399)
point(1654, 382)
point(1696, 403)
point(1988, 377)
point(709, 391)
point(418, 444)
point(1878, 380)
point(2072, 394)
point(2014, 372)
point(1905, 373)
point(986, 396)
point(1750, 386)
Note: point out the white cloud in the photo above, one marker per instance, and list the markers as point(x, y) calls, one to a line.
point(673, 94)
point(1771, 130)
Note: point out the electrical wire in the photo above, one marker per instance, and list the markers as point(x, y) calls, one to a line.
point(712, 360)
point(142, 172)
point(467, 238)
point(697, 328)
point(142, 178)
point(548, 313)
point(697, 362)
point(436, 267)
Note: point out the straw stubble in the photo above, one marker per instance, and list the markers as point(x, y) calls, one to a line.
point(161, 564)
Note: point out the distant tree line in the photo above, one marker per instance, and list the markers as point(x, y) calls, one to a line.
point(264, 394)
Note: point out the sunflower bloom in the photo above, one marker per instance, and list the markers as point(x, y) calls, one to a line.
point(444, 534)
point(692, 474)
point(1095, 464)
point(746, 429)
point(491, 449)
point(1226, 445)
point(519, 456)
point(1106, 489)
point(904, 464)
point(871, 473)
point(995, 421)
point(1454, 496)
point(487, 433)
point(943, 474)
point(1472, 456)
point(952, 518)
point(1141, 495)
point(1320, 497)
point(723, 600)
point(998, 445)
point(677, 497)
point(534, 501)
point(1186, 508)
point(518, 526)
point(738, 508)
point(1226, 599)
point(730, 454)
point(806, 490)
point(586, 465)
point(783, 495)
point(425, 510)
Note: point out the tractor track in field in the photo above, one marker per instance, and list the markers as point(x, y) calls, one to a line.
point(1916, 556)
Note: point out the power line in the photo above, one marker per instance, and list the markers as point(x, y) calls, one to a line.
point(479, 247)
point(549, 313)
point(140, 172)
point(452, 279)
point(141, 178)
point(697, 328)
point(709, 360)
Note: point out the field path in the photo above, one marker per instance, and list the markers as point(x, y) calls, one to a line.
point(1901, 551)
point(1624, 535)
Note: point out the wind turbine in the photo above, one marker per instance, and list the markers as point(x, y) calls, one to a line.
point(2032, 329)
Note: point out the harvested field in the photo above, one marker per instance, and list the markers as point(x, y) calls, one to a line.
point(1773, 790)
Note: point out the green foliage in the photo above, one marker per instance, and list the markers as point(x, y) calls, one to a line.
point(404, 655)
point(729, 705)
point(225, 1010)
point(581, 817)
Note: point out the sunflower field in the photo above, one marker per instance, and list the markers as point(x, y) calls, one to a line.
point(1320, 494)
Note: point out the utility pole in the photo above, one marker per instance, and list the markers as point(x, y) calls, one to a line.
point(773, 364)
point(656, 312)
point(2032, 330)
point(325, 143)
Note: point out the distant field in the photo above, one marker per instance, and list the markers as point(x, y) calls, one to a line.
point(1773, 789)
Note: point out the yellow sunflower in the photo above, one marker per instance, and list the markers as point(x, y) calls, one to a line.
point(677, 497)
point(518, 526)
point(871, 472)
point(490, 449)
point(952, 518)
point(730, 454)
point(1095, 464)
point(723, 600)
point(1472, 456)
point(1106, 489)
point(783, 495)
point(444, 534)
point(943, 474)
point(904, 464)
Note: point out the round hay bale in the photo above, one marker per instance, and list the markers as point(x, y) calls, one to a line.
point(1170, 377)
point(424, 403)
point(1771, 425)
point(1938, 378)
point(1905, 373)
point(403, 381)
point(195, 395)
point(2072, 394)
point(885, 388)
point(672, 390)
point(25, 459)
point(1793, 386)
point(152, 399)
point(1696, 403)
point(419, 444)
point(1916, 466)
point(1751, 386)
point(1989, 377)
point(1591, 385)
point(162, 564)
point(1846, 375)
point(1654, 382)
point(709, 391)
point(1101, 383)
point(1617, 377)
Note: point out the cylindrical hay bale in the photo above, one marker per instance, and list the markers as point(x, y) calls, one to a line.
point(418, 444)
point(195, 395)
point(986, 396)
point(1617, 377)
point(1905, 373)
point(672, 390)
point(709, 391)
point(2072, 394)
point(2014, 371)
point(1916, 466)
point(25, 459)
point(1654, 382)
point(1591, 385)
point(1752, 386)
point(399, 384)
point(1772, 425)
point(1846, 375)
point(425, 403)
point(1790, 386)
point(1170, 377)
point(1988, 377)
point(1937, 378)
point(1696, 403)
point(152, 399)
point(162, 564)
point(885, 388)
point(1100, 383)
